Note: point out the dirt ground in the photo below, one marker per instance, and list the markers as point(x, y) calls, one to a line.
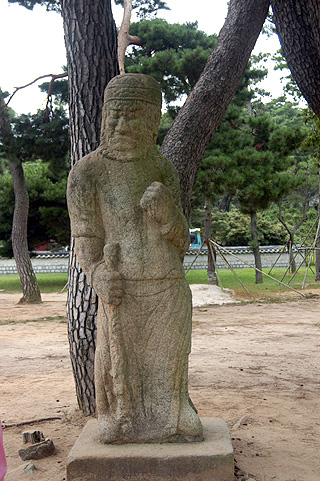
point(254, 365)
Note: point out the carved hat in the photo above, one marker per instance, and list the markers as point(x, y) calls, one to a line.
point(133, 86)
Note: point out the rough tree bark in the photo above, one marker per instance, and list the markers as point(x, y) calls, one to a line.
point(256, 247)
point(225, 203)
point(298, 27)
point(91, 49)
point(29, 283)
point(91, 43)
point(201, 114)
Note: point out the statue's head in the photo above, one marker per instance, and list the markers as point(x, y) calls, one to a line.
point(131, 112)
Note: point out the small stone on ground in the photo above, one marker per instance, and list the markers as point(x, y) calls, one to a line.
point(38, 451)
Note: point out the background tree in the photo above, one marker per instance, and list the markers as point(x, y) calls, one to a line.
point(290, 87)
point(8, 147)
point(48, 215)
point(216, 167)
point(146, 8)
point(304, 191)
point(249, 159)
point(28, 138)
point(233, 228)
point(263, 172)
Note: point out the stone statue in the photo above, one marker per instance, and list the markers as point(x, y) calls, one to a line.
point(130, 235)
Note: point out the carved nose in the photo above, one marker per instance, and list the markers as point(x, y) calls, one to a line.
point(121, 125)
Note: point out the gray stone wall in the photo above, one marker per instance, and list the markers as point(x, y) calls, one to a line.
point(269, 255)
point(40, 266)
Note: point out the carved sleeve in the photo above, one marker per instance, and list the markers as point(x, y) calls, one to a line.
point(85, 217)
point(177, 230)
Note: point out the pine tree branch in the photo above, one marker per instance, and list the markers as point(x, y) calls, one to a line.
point(33, 421)
point(134, 40)
point(281, 218)
point(123, 35)
point(124, 38)
point(53, 78)
point(257, 146)
point(299, 224)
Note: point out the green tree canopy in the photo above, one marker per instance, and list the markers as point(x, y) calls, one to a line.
point(30, 4)
point(249, 157)
point(174, 54)
point(48, 216)
point(35, 137)
point(233, 229)
point(42, 148)
point(146, 8)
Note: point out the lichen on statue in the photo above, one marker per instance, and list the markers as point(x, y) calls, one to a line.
point(130, 234)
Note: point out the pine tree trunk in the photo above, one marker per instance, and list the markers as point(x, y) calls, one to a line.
point(211, 271)
point(256, 247)
point(91, 43)
point(197, 120)
point(225, 203)
point(292, 261)
point(297, 23)
point(29, 283)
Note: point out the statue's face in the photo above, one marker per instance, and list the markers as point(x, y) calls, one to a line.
point(126, 121)
point(129, 126)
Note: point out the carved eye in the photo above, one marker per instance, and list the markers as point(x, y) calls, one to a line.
point(131, 114)
point(114, 114)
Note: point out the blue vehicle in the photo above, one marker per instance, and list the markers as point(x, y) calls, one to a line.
point(195, 239)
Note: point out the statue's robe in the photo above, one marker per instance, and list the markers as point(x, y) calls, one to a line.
point(141, 363)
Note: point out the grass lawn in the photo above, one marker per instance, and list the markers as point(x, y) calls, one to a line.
point(47, 282)
point(247, 276)
point(56, 282)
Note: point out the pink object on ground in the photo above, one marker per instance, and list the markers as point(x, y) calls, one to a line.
point(3, 463)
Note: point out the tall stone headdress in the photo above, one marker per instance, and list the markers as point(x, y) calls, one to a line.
point(132, 86)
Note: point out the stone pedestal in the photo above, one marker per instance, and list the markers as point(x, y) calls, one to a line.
point(209, 460)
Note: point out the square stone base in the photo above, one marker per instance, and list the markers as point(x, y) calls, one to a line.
point(209, 460)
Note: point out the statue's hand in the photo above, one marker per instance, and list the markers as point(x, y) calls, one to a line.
point(108, 285)
point(158, 202)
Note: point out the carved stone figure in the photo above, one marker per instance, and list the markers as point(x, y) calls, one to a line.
point(130, 235)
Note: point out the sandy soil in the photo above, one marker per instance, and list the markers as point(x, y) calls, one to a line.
point(254, 365)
